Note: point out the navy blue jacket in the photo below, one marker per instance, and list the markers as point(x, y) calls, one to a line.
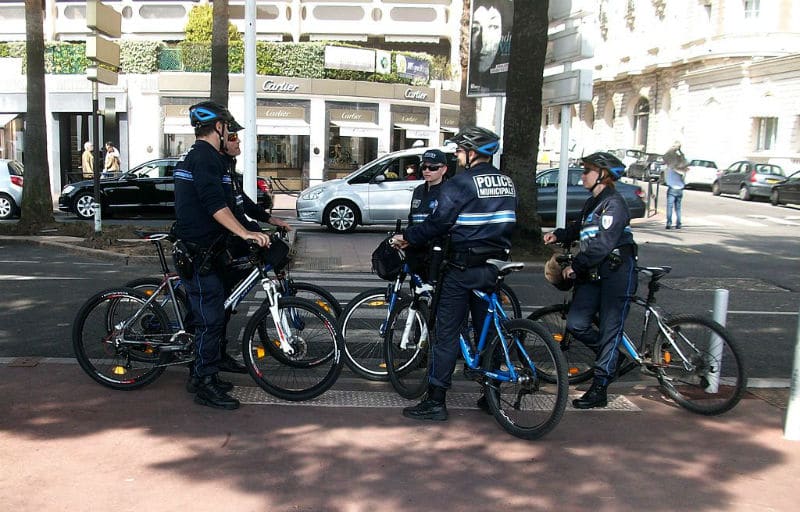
point(200, 180)
point(476, 207)
point(244, 205)
point(423, 201)
point(604, 226)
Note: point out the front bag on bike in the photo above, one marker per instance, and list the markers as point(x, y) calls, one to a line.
point(386, 261)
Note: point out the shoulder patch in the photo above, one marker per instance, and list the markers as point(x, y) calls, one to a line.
point(606, 221)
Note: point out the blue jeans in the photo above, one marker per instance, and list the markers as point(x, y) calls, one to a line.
point(674, 198)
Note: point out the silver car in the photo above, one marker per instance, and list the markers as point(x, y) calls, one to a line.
point(10, 188)
point(376, 193)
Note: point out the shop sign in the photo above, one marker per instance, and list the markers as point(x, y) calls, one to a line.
point(273, 86)
point(409, 67)
point(355, 116)
point(280, 113)
point(356, 59)
point(415, 94)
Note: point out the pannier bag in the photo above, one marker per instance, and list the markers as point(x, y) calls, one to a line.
point(386, 261)
point(279, 253)
point(553, 274)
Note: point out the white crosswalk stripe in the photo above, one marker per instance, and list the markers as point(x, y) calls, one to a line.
point(776, 220)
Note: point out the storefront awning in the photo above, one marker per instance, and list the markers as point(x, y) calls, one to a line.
point(287, 127)
point(6, 118)
point(451, 129)
point(177, 126)
point(356, 129)
point(416, 131)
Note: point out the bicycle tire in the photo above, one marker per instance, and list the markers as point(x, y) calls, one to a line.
point(408, 368)
point(508, 299)
point(316, 294)
point(362, 325)
point(580, 358)
point(531, 407)
point(148, 285)
point(690, 388)
point(127, 366)
point(317, 362)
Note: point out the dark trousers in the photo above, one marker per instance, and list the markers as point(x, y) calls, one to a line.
point(609, 298)
point(207, 300)
point(455, 301)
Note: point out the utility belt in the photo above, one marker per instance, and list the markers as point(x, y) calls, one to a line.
point(477, 256)
point(614, 259)
point(190, 255)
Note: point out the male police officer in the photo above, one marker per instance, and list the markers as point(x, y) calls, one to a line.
point(205, 219)
point(478, 209)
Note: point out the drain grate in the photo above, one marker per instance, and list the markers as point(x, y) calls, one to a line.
point(378, 399)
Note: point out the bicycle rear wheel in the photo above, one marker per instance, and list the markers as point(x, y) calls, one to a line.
point(580, 358)
point(149, 285)
point(408, 367)
point(715, 380)
point(316, 294)
point(529, 407)
point(509, 301)
point(316, 362)
point(120, 356)
point(363, 324)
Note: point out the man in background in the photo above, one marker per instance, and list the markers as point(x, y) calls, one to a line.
point(87, 160)
point(676, 168)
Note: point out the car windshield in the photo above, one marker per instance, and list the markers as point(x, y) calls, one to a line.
point(703, 163)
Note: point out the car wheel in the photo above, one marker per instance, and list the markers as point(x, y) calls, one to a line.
point(744, 194)
point(83, 205)
point(775, 198)
point(715, 188)
point(341, 217)
point(7, 207)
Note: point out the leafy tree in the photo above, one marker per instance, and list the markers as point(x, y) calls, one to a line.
point(523, 116)
point(37, 203)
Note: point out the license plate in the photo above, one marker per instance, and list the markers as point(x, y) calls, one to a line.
point(769, 180)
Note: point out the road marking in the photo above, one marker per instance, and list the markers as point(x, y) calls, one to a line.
point(776, 220)
point(738, 221)
point(785, 313)
point(11, 277)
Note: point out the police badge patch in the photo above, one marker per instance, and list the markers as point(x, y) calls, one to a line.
point(606, 221)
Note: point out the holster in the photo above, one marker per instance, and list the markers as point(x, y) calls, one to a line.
point(477, 256)
point(183, 259)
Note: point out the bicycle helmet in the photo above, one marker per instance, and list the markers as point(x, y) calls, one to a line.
point(480, 140)
point(607, 161)
point(207, 113)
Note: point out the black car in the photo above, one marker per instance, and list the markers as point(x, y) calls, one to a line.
point(649, 167)
point(148, 187)
point(787, 192)
point(547, 195)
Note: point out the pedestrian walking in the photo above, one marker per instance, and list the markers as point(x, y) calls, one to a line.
point(676, 169)
point(111, 165)
point(87, 160)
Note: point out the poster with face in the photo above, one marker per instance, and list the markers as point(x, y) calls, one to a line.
point(490, 47)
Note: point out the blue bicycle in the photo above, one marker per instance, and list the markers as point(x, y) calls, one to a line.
point(510, 365)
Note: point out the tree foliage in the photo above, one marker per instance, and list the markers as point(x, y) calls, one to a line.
point(199, 25)
point(523, 117)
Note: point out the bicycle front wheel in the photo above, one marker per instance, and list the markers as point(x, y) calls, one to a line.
point(529, 406)
point(315, 361)
point(406, 349)
point(116, 339)
point(363, 324)
point(316, 294)
point(703, 369)
point(580, 358)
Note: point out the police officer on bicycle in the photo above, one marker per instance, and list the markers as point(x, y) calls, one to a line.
point(604, 271)
point(477, 208)
point(205, 220)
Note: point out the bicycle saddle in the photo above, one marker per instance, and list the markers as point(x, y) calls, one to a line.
point(505, 267)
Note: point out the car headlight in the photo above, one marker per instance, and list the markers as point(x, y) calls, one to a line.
point(68, 189)
point(312, 194)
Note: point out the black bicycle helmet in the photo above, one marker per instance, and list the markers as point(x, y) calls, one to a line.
point(607, 161)
point(478, 139)
point(207, 113)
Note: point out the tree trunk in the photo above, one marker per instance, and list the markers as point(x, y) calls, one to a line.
point(219, 53)
point(466, 114)
point(523, 117)
point(37, 202)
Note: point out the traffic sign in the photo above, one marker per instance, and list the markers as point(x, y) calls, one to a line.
point(99, 49)
point(103, 18)
point(102, 75)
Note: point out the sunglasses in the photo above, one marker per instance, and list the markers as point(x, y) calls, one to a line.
point(426, 167)
point(233, 137)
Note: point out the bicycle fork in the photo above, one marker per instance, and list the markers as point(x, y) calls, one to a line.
point(279, 317)
point(405, 340)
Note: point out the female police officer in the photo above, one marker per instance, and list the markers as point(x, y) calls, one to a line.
point(604, 271)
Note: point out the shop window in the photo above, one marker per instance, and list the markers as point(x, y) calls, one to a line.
point(283, 157)
point(766, 132)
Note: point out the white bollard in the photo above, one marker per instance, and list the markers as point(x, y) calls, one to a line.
point(98, 224)
point(791, 429)
point(715, 346)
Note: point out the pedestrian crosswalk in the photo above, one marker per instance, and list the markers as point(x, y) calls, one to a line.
point(740, 221)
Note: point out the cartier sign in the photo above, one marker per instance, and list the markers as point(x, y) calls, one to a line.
point(411, 94)
point(273, 86)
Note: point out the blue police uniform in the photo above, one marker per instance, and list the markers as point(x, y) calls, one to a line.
point(477, 208)
point(605, 277)
point(201, 179)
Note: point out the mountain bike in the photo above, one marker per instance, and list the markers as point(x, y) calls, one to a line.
point(364, 319)
point(696, 361)
point(124, 339)
point(510, 366)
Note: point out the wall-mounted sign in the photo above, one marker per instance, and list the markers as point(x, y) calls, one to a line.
point(354, 116)
point(279, 86)
point(264, 112)
point(356, 59)
point(409, 67)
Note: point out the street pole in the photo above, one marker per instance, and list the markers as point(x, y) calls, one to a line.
point(97, 165)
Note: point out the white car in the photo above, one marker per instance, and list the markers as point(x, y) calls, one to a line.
point(376, 193)
point(11, 180)
point(700, 173)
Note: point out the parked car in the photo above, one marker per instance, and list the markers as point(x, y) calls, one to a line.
point(650, 167)
point(148, 187)
point(373, 194)
point(787, 192)
point(10, 188)
point(748, 180)
point(547, 195)
point(700, 173)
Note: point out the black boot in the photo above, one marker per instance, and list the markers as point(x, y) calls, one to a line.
point(596, 396)
point(192, 383)
point(230, 365)
point(483, 402)
point(431, 408)
point(210, 394)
